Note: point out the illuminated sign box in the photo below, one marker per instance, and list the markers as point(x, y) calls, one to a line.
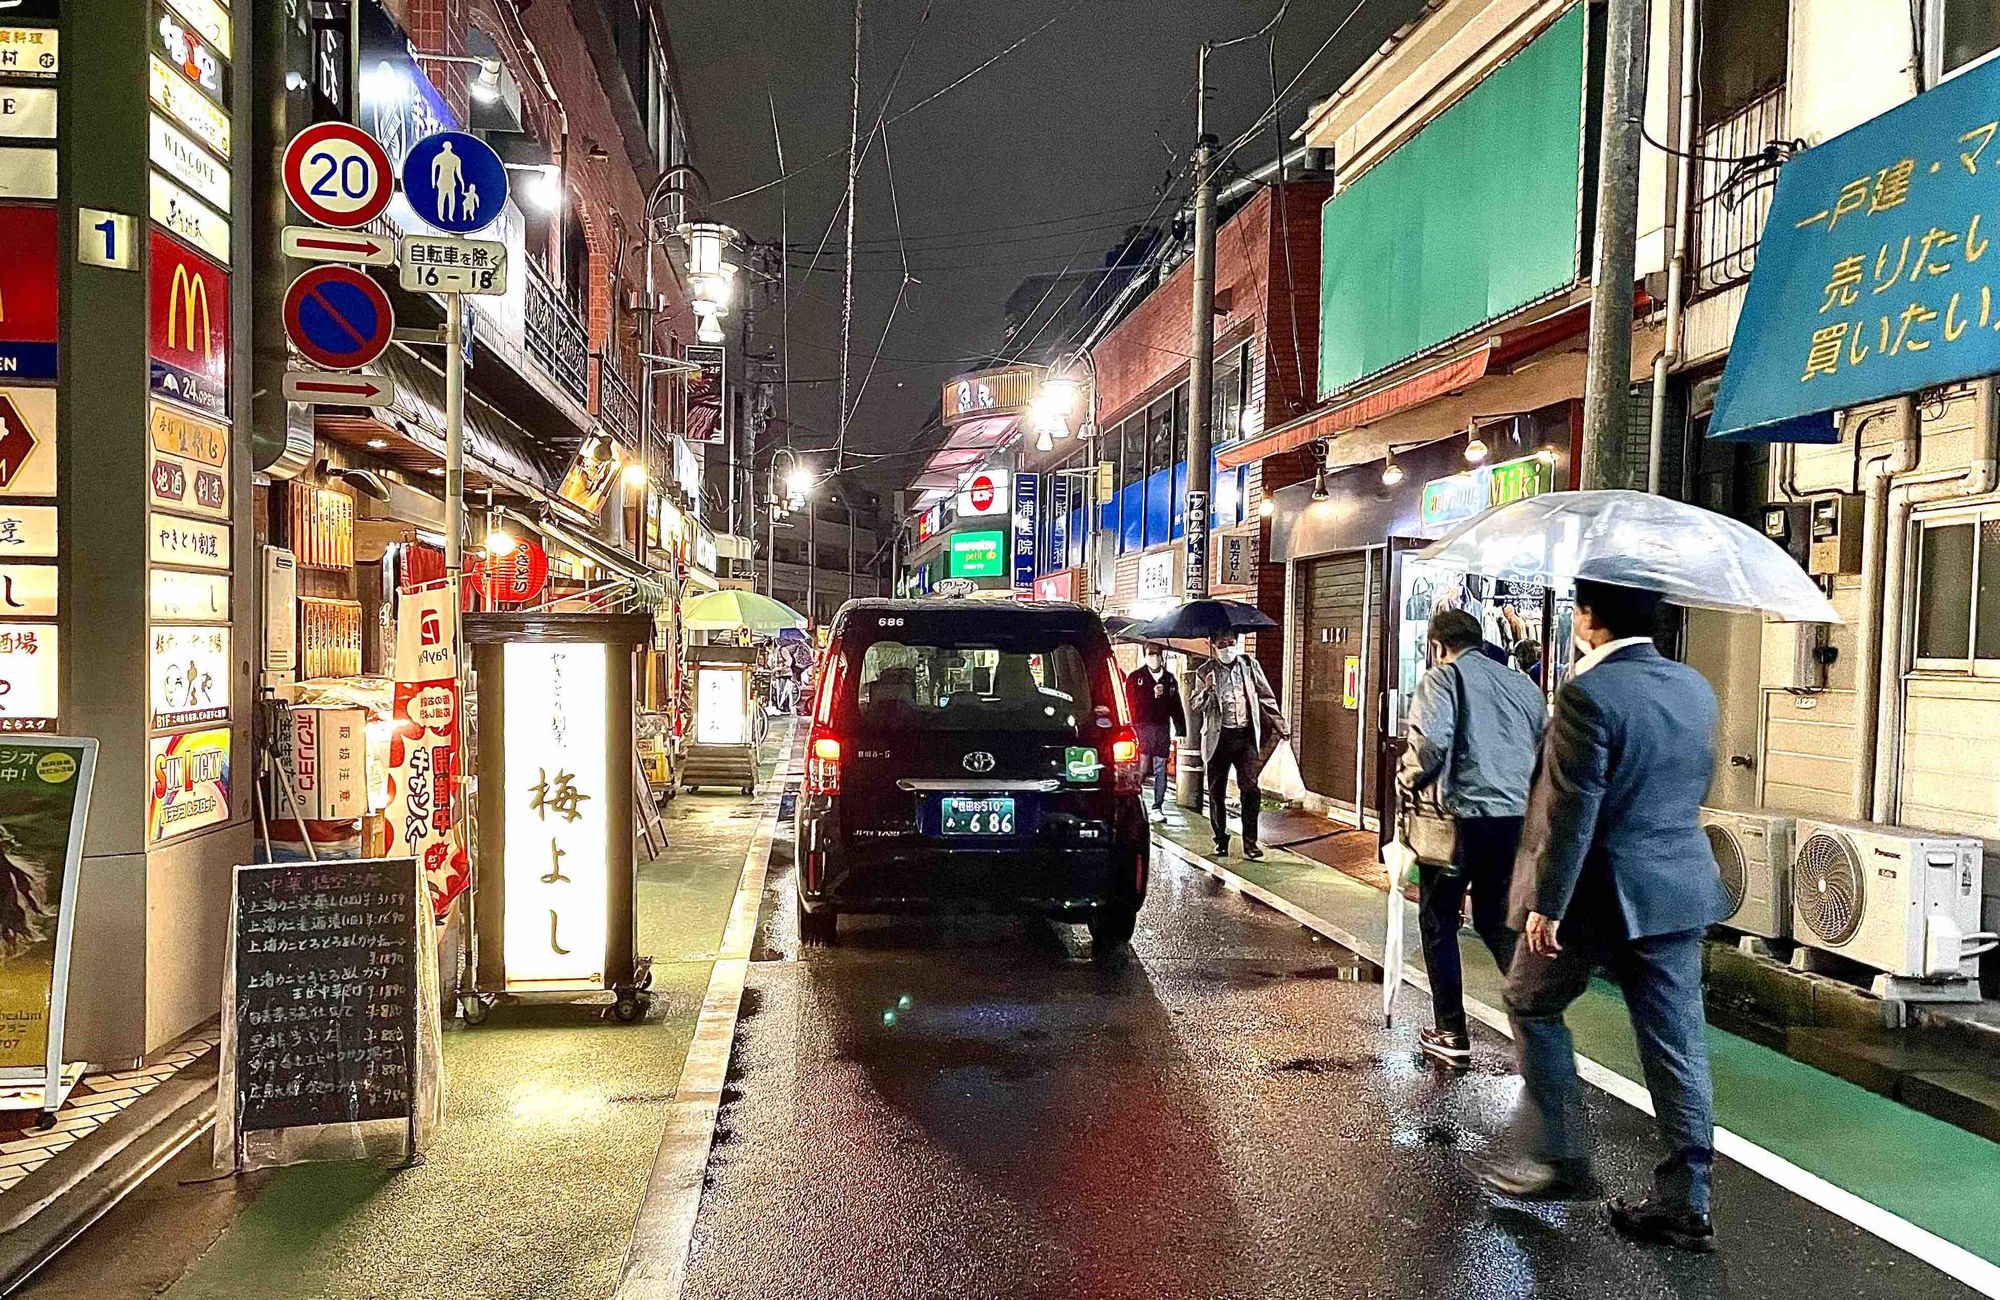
point(978, 555)
point(554, 903)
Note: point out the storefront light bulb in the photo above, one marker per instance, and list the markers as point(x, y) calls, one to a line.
point(1319, 482)
point(545, 191)
point(1392, 473)
point(1266, 508)
point(1043, 442)
point(500, 543)
point(635, 474)
point(486, 82)
point(1475, 449)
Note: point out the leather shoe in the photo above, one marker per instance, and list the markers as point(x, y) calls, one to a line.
point(1656, 1224)
point(1252, 852)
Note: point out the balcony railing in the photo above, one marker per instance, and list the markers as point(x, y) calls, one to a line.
point(617, 404)
point(1732, 202)
point(557, 339)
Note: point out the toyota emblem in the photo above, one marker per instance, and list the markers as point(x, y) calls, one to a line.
point(979, 761)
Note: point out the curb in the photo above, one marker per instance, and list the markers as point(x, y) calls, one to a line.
point(656, 1259)
point(1954, 1261)
point(63, 1198)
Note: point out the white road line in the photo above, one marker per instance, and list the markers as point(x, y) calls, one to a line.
point(656, 1259)
point(1982, 1275)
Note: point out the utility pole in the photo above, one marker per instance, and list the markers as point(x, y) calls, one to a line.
point(1201, 369)
point(812, 563)
point(1608, 372)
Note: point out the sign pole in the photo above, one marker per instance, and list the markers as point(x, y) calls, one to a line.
point(454, 558)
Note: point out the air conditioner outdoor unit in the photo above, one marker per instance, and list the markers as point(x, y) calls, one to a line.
point(1902, 901)
point(1753, 851)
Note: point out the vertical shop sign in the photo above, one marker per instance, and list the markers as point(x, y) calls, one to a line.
point(1059, 490)
point(188, 327)
point(29, 51)
point(27, 442)
point(1027, 490)
point(707, 394)
point(322, 529)
point(423, 749)
point(30, 677)
point(558, 815)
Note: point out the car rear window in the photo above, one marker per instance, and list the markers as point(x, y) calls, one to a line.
point(1021, 685)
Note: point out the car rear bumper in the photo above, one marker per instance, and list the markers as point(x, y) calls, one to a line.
point(918, 874)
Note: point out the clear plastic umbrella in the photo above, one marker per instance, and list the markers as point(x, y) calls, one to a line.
point(1401, 864)
point(1689, 555)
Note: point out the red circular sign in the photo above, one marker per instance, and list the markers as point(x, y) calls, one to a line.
point(338, 175)
point(338, 317)
point(980, 492)
point(519, 575)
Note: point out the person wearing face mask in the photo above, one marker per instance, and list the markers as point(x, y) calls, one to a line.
point(1615, 873)
point(1158, 717)
point(1238, 712)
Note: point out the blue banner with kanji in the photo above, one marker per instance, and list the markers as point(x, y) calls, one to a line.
point(1877, 275)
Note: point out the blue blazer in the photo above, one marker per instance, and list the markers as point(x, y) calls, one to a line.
point(1612, 843)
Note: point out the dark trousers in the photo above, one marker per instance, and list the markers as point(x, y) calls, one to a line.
point(1235, 750)
point(1661, 977)
point(1485, 866)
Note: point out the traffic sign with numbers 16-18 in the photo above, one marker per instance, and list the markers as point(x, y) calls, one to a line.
point(441, 264)
point(338, 175)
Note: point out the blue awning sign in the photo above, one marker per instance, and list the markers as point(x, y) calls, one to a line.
point(1878, 273)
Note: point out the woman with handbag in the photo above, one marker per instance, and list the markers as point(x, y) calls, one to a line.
point(1475, 728)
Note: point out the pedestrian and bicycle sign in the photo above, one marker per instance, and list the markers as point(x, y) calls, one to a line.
point(443, 264)
point(338, 318)
point(455, 182)
point(332, 389)
point(355, 247)
point(338, 175)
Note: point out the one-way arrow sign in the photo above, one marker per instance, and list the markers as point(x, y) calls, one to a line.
point(318, 244)
point(330, 388)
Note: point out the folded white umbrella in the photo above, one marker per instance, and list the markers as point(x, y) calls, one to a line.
point(1689, 555)
point(1401, 865)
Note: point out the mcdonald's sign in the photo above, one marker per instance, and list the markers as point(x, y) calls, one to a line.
point(188, 327)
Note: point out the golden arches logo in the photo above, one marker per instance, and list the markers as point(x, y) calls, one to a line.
point(187, 295)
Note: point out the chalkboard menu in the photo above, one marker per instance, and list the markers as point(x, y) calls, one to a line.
point(326, 992)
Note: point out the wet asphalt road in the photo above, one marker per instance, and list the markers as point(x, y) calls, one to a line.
point(971, 1108)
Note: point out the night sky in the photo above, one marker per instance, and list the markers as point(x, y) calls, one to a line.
point(1078, 130)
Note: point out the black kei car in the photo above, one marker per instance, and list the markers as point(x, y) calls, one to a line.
point(971, 756)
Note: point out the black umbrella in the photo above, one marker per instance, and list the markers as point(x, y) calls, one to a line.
point(1120, 628)
point(1207, 617)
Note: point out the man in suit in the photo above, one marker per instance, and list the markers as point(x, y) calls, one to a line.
point(1615, 872)
point(1233, 703)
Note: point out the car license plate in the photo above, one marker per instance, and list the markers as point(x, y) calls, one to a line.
point(986, 815)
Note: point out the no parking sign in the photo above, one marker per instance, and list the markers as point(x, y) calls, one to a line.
point(338, 317)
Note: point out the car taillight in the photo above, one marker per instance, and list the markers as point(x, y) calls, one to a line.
point(1123, 751)
point(823, 763)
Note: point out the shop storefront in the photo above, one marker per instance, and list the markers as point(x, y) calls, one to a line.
point(1362, 598)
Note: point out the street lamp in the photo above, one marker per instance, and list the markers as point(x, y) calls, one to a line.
point(711, 280)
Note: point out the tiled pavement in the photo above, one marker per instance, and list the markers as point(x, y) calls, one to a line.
point(97, 1100)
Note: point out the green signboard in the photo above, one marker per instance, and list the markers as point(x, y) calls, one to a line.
point(979, 555)
point(1475, 216)
point(1461, 496)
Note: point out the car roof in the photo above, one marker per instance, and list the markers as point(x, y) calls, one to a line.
point(979, 614)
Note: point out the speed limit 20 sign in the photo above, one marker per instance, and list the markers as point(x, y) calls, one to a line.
point(338, 175)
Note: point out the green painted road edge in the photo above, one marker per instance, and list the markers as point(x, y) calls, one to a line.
point(656, 1259)
point(1925, 1186)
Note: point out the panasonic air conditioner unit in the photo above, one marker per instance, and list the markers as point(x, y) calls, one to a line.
point(1903, 901)
point(1753, 851)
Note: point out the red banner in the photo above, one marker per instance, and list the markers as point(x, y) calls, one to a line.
point(424, 779)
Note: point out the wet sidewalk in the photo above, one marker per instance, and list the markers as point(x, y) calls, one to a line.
point(553, 1117)
point(1916, 1181)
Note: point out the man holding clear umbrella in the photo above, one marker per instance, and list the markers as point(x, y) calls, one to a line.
point(1615, 872)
